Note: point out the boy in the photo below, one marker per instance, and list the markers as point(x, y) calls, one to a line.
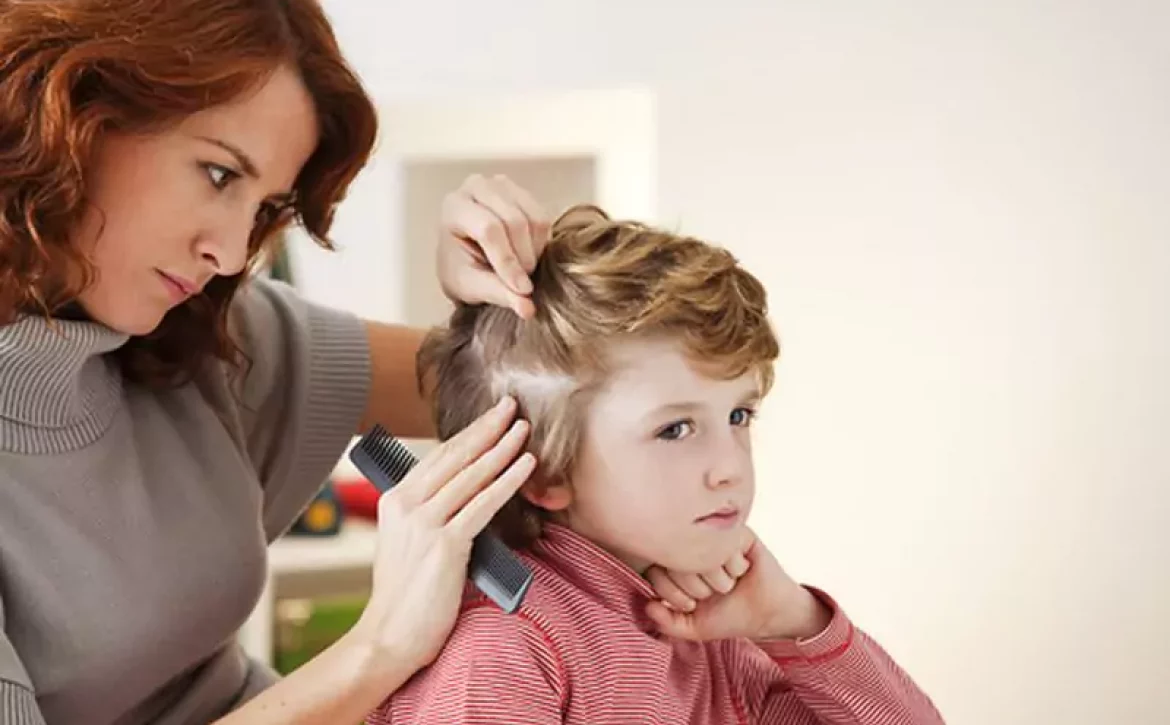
point(639, 376)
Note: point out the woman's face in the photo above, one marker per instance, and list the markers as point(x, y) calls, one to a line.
point(170, 211)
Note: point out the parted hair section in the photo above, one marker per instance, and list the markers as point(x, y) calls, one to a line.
point(598, 281)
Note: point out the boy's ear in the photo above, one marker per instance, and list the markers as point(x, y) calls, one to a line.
point(555, 495)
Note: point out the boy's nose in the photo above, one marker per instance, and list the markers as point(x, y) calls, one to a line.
point(729, 466)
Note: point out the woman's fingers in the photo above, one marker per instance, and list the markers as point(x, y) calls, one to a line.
point(486, 236)
point(426, 526)
point(454, 455)
point(476, 514)
point(457, 492)
point(500, 199)
point(480, 284)
point(539, 222)
point(492, 235)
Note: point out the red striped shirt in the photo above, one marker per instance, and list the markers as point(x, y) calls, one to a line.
point(582, 651)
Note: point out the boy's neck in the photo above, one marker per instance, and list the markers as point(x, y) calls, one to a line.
point(565, 519)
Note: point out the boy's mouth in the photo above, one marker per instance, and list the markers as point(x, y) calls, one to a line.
point(723, 517)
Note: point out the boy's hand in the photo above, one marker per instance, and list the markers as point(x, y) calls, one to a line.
point(759, 602)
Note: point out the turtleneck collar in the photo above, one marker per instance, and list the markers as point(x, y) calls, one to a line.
point(59, 386)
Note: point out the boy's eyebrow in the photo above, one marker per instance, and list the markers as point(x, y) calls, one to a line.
point(751, 397)
point(678, 407)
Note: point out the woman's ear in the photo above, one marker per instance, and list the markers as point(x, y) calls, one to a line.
point(555, 495)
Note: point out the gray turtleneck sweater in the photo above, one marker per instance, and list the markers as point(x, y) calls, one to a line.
point(134, 524)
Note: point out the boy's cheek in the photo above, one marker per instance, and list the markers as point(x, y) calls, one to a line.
point(655, 524)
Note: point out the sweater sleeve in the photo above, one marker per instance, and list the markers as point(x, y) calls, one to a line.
point(18, 704)
point(839, 677)
point(495, 668)
point(305, 382)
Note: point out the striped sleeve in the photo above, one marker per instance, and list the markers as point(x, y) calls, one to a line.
point(839, 677)
point(495, 668)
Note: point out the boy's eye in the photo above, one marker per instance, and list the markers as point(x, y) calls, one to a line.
point(675, 431)
point(742, 416)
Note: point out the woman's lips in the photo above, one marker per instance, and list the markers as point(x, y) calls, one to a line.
point(180, 289)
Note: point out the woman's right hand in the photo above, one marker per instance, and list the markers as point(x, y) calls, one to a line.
point(426, 525)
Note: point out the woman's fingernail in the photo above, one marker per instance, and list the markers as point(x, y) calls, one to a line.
point(690, 605)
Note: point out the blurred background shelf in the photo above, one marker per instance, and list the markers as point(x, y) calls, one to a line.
point(304, 574)
point(352, 548)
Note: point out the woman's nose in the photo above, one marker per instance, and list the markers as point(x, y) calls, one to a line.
point(225, 249)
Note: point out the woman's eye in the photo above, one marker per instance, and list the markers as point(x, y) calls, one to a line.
point(675, 431)
point(742, 416)
point(220, 176)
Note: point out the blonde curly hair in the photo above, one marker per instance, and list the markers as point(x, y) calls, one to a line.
point(598, 281)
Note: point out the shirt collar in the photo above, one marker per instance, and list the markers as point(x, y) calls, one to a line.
point(598, 573)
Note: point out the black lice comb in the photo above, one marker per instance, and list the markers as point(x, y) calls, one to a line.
point(494, 568)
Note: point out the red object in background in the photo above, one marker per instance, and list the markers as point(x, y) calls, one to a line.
point(358, 497)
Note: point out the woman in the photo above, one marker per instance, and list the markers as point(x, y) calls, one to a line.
point(162, 415)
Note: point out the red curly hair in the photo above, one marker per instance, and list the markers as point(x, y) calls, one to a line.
point(71, 71)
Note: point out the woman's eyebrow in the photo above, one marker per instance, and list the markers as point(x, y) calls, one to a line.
point(245, 161)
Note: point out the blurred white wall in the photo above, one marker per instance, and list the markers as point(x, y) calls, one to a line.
point(962, 213)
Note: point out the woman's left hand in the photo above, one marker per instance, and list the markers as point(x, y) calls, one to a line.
point(491, 235)
point(749, 596)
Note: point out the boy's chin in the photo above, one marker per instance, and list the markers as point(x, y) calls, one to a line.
point(701, 559)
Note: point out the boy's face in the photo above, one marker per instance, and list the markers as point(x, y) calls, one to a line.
point(664, 474)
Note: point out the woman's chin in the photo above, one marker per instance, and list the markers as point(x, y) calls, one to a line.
point(135, 323)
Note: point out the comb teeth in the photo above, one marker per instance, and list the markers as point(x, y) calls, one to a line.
point(387, 460)
point(495, 569)
point(498, 573)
